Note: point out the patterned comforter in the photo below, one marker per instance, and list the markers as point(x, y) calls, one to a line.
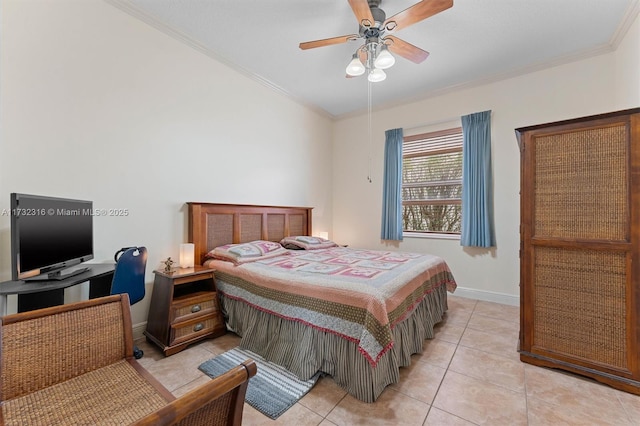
point(357, 294)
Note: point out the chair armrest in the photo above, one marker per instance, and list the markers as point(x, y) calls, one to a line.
point(219, 401)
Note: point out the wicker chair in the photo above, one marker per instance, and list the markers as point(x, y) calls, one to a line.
point(73, 365)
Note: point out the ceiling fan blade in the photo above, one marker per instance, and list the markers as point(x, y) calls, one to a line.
point(328, 41)
point(362, 55)
point(362, 12)
point(406, 50)
point(416, 13)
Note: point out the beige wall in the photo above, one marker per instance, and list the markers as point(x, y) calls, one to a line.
point(627, 66)
point(97, 105)
point(590, 86)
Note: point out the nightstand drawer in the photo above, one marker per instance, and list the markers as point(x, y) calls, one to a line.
point(196, 327)
point(189, 279)
point(199, 304)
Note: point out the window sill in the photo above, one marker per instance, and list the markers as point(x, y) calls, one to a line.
point(431, 235)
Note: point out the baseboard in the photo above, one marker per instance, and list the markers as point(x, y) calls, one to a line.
point(487, 296)
point(138, 329)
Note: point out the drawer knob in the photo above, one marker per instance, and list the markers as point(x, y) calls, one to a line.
point(196, 308)
point(199, 326)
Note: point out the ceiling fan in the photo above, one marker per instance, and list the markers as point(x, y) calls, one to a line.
point(376, 30)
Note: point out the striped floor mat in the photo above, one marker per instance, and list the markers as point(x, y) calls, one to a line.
point(272, 391)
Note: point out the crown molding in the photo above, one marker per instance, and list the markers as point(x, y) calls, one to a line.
point(494, 78)
point(626, 23)
point(153, 21)
point(615, 40)
point(621, 31)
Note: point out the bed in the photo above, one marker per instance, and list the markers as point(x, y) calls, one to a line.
point(357, 315)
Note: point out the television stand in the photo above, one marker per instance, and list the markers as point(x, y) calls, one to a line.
point(59, 275)
point(42, 294)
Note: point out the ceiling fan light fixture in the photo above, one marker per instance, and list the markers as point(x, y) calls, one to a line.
point(355, 67)
point(384, 59)
point(376, 75)
point(374, 55)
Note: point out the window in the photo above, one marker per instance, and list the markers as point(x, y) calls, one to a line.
point(432, 182)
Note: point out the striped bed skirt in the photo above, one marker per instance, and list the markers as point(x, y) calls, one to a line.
point(306, 351)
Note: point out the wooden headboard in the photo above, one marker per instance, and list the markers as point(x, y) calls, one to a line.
point(213, 225)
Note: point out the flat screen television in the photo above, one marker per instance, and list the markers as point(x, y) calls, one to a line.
point(49, 235)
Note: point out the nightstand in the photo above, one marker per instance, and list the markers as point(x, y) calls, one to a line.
point(184, 309)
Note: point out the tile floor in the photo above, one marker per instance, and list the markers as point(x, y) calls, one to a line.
point(469, 374)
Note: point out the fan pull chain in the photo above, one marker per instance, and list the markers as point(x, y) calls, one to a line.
point(370, 131)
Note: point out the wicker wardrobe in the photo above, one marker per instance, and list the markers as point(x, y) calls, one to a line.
point(580, 247)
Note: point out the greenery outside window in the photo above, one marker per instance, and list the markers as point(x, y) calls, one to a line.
point(432, 182)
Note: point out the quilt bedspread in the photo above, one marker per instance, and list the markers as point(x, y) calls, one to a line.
point(357, 294)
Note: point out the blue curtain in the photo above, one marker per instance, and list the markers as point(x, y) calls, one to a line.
point(392, 186)
point(477, 187)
